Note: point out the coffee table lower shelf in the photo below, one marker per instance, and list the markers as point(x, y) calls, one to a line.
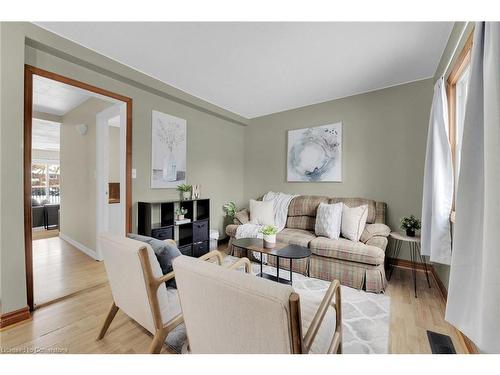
point(274, 278)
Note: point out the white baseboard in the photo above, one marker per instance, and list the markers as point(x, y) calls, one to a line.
point(84, 249)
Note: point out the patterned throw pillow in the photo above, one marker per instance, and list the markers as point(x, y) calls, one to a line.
point(354, 221)
point(328, 220)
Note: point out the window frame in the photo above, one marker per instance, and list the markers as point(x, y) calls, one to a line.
point(463, 61)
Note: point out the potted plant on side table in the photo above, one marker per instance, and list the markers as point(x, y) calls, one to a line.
point(269, 236)
point(410, 225)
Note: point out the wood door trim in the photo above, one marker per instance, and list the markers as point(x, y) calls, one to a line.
point(29, 71)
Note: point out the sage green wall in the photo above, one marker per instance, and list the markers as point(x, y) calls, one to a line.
point(78, 172)
point(384, 138)
point(214, 136)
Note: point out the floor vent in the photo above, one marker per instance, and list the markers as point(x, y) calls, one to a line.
point(440, 344)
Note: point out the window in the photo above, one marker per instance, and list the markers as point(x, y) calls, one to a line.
point(457, 85)
point(45, 181)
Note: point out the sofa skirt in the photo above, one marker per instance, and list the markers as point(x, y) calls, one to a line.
point(356, 275)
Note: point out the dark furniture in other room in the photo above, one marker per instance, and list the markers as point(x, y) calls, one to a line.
point(44, 215)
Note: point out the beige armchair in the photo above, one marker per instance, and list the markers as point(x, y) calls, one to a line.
point(233, 312)
point(138, 287)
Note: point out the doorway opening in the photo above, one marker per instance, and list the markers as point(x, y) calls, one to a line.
point(77, 170)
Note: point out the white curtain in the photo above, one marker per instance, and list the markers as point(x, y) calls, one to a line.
point(474, 289)
point(438, 182)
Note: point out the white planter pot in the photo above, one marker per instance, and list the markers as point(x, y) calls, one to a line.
point(180, 217)
point(186, 195)
point(269, 241)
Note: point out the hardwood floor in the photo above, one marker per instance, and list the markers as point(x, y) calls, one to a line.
point(41, 234)
point(59, 269)
point(411, 317)
point(72, 325)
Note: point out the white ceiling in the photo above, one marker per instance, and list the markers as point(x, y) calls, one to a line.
point(56, 98)
point(254, 69)
point(45, 135)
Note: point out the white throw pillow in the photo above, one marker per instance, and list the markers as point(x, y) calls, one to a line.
point(328, 219)
point(261, 212)
point(353, 221)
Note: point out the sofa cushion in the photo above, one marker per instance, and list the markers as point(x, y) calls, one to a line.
point(242, 217)
point(295, 236)
point(372, 230)
point(347, 250)
point(261, 212)
point(356, 202)
point(353, 221)
point(301, 222)
point(231, 230)
point(305, 205)
point(328, 220)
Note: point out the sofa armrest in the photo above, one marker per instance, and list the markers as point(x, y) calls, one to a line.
point(241, 217)
point(372, 230)
point(378, 241)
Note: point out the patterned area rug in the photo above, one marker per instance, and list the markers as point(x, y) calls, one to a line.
point(365, 316)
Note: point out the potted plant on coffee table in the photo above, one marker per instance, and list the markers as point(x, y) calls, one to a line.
point(269, 236)
point(185, 191)
point(410, 225)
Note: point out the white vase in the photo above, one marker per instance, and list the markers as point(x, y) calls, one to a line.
point(180, 217)
point(186, 195)
point(170, 167)
point(269, 241)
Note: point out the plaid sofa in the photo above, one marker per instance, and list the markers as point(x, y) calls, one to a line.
point(356, 264)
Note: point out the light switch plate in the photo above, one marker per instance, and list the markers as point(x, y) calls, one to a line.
point(134, 173)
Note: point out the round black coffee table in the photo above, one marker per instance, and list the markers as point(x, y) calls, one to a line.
point(281, 250)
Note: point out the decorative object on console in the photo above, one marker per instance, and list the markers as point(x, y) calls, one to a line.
point(185, 190)
point(353, 221)
point(410, 225)
point(168, 164)
point(180, 212)
point(269, 236)
point(196, 191)
point(328, 220)
point(315, 154)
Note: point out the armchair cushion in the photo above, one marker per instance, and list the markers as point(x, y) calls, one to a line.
point(165, 253)
point(232, 312)
point(372, 230)
point(126, 278)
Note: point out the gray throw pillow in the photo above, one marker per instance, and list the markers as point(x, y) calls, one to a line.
point(165, 253)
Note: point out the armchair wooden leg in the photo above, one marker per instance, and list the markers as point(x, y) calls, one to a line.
point(158, 340)
point(109, 318)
